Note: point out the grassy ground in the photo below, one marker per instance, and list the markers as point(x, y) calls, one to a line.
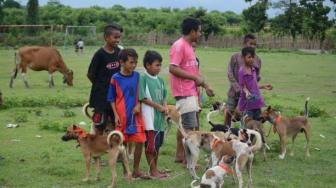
point(30, 161)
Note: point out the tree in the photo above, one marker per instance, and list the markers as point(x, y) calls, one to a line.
point(290, 22)
point(315, 19)
point(32, 12)
point(11, 4)
point(255, 17)
point(1, 11)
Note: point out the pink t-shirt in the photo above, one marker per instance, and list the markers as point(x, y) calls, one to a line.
point(182, 55)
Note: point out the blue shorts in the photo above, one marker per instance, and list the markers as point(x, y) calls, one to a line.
point(154, 141)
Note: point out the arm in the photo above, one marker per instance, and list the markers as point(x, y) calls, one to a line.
point(111, 96)
point(231, 74)
point(160, 108)
point(177, 71)
point(116, 116)
point(266, 86)
point(242, 83)
point(93, 68)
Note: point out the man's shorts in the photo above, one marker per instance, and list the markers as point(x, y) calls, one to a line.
point(188, 108)
point(101, 118)
point(154, 141)
point(232, 102)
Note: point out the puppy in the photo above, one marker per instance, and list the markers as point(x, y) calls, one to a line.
point(97, 145)
point(286, 127)
point(214, 177)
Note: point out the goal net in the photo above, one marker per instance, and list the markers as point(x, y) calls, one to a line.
point(75, 33)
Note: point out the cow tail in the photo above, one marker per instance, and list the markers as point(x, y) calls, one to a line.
point(16, 62)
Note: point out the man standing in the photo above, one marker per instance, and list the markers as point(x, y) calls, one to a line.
point(185, 78)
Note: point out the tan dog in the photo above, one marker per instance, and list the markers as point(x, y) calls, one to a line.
point(193, 142)
point(287, 127)
point(97, 145)
point(257, 126)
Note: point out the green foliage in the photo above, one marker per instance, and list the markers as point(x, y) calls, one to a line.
point(69, 113)
point(58, 126)
point(255, 17)
point(21, 117)
point(32, 12)
point(11, 4)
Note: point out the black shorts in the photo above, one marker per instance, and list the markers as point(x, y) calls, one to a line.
point(101, 118)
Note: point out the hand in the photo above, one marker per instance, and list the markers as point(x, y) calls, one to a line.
point(136, 109)
point(268, 86)
point(116, 120)
point(161, 109)
point(209, 92)
point(247, 94)
point(199, 81)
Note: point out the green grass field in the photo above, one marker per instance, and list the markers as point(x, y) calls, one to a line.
point(30, 161)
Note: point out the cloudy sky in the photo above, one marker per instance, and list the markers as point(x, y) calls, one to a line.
point(220, 5)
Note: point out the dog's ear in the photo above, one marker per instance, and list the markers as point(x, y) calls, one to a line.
point(269, 108)
point(74, 126)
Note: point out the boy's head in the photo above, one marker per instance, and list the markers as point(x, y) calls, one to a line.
point(250, 41)
point(128, 59)
point(248, 54)
point(152, 62)
point(192, 27)
point(112, 34)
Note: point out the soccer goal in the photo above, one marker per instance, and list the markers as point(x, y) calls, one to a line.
point(74, 33)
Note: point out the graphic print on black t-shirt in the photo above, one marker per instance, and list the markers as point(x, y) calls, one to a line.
point(113, 65)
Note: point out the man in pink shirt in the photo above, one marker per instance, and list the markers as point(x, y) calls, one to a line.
point(185, 78)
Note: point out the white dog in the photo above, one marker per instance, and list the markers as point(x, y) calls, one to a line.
point(214, 177)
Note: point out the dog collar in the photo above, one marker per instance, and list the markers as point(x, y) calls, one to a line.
point(278, 119)
point(225, 168)
point(214, 143)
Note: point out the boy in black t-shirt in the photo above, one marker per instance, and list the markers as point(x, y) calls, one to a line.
point(103, 65)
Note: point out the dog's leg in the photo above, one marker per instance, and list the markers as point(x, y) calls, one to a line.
point(112, 159)
point(283, 140)
point(292, 149)
point(239, 175)
point(127, 172)
point(87, 158)
point(307, 135)
point(249, 171)
point(98, 167)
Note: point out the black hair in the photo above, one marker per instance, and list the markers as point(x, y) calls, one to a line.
point(127, 52)
point(249, 36)
point(190, 24)
point(150, 57)
point(110, 27)
point(248, 51)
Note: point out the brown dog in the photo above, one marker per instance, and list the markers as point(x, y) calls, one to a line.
point(97, 145)
point(257, 126)
point(287, 127)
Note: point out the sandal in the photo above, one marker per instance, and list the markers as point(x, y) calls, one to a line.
point(141, 175)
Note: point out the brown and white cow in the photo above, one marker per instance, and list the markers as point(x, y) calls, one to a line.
point(39, 59)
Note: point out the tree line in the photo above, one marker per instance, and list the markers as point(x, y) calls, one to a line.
point(308, 18)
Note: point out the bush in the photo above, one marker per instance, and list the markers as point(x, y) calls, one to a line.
point(21, 117)
point(53, 125)
point(68, 113)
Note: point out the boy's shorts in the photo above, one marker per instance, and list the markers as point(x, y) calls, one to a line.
point(232, 103)
point(188, 108)
point(154, 141)
point(254, 114)
point(100, 119)
point(139, 137)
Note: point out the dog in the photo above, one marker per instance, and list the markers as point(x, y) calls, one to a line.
point(249, 123)
point(193, 142)
point(109, 125)
point(286, 127)
point(220, 108)
point(97, 145)
point(214, 177)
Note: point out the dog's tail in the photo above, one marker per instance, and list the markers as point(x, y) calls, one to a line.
point(258, 143)
point(115, 138)
point(181, 129)
point(85, 110)
point(192, 184)
point(208, 116)
point(306, 112)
